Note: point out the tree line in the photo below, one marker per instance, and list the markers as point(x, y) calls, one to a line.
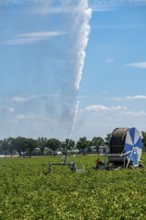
point(26, 146)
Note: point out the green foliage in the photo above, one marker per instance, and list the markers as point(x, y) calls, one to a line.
point(31, 145)
point(97, 141)
point(82, 144)
point(67, 145)
point(42, 143)
point(53, 144)
point(108, 138)
point(144, 139)
point(26, 193)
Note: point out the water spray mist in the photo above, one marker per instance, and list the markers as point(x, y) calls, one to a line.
point(55, 53)
point(82, 16)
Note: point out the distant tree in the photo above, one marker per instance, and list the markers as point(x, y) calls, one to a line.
point(4, 146)
point(53, 144)
point(108, 138)
point(30, 144)
point(66, 145)
point(97, 142)
point(41, 144)
point(11, 145)
point(82, 144)
point(144, 140)
point(1, 146)
point(21, 146)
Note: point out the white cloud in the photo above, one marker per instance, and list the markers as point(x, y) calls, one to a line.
point(93, 108)
point(29, 38)
point(57, 10)
point(9, 109)
point(137, 65)
point(23, 2)
point(118, 108)
point(19, 99)
point(110, 5)
point(96, 108)
point(135, 114)
point(20, 117)
point(93, 123)
point(32, 117)
point(15, 2)
point(41, 35)
point(137, 97)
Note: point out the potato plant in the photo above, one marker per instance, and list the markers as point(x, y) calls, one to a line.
point(27, 193)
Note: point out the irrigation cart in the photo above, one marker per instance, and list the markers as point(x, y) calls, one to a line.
point(125, 148)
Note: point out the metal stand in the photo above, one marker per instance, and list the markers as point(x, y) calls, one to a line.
point(117, 160)
point(72, 165)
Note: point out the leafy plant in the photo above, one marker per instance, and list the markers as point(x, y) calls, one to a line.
point(26, 193)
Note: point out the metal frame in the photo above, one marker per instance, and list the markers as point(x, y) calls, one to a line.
point(71, 165)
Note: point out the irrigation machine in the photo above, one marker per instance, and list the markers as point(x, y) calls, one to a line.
point(125, 149)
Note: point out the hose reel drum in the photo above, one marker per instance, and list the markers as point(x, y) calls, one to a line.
point(125, 147)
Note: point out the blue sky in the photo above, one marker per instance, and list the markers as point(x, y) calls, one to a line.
point(71, 69)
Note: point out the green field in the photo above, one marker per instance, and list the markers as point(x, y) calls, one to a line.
point(27, 193)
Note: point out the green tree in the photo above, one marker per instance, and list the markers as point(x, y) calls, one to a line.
point(144, 140)
point(53, 144)
point(66, 145)
point(1, 141)
point(21, 146)
point(42, 143)
point(97, 142)
point(11, 145)
point(30, 144)
point(4, 146)
point(108, 138)
point(82, 144)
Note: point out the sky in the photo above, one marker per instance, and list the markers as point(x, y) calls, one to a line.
point(72, 68)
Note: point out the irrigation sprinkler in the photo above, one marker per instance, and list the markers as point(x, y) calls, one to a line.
point(125, 150)
point(71, 165)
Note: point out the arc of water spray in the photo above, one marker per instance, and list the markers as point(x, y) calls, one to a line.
point(82, 42)
point(79, 35)
point(74, 121)
point(85, 12)
point(81, 51)
point(75, 118)
point(79, 29)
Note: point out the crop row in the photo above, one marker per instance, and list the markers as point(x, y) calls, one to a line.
point(27, 193)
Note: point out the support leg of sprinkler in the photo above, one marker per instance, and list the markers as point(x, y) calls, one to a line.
point(73, 166)
point(50, 168)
